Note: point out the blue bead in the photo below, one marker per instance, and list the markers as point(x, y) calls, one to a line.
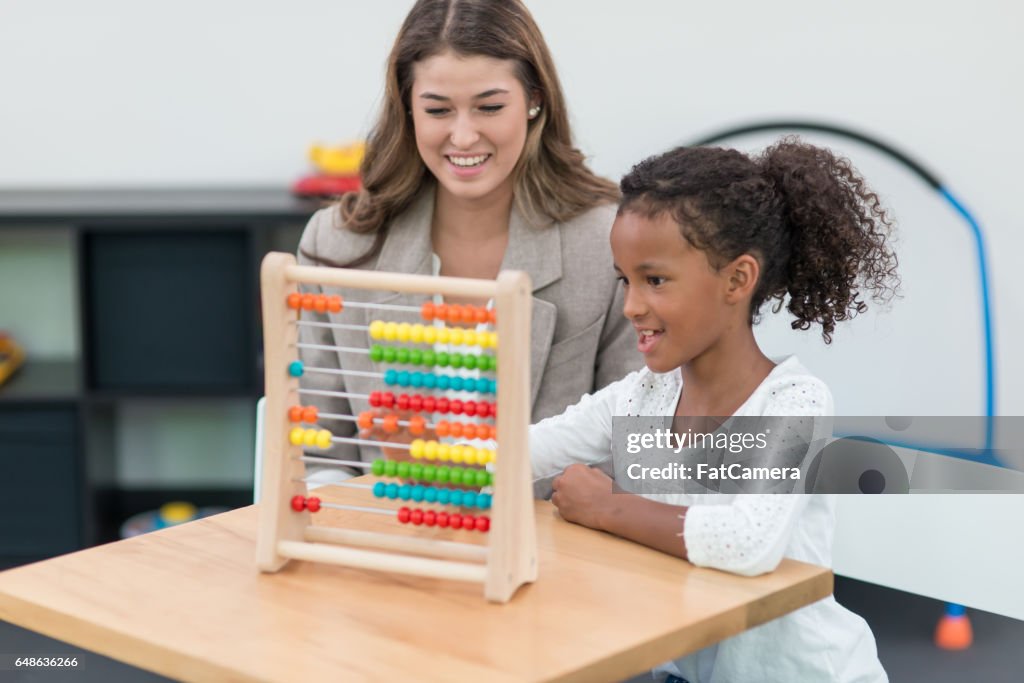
point(403, 378)
point(456, 383)
point(469, 384)
point(469, 499)
point(484, 501)
point(392, 491)
point(405, 492)
point(378, 489)
point(456, 497)
point(417, 493)
point(443, 381)
point(416, 379)
point(391, 377)
point(443, 496)
point(430, 495)
point(429, 380)
point(295, 369)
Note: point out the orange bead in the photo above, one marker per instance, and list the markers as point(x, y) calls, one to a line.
point(492, 316)
point(427, 311)
point(320, 304)
point(494, 433)
point(469, 314)
point(456, 429)
point(441, 312)
point(334, 304)
point(308, 301)
point(469, 431)
point(309, 414)
point(294, 300)
point(391, 423)
point(481, 315)
point(454, 313)
point(295, 414)
point(442, 428)
point(417, 425)
point(365, 420)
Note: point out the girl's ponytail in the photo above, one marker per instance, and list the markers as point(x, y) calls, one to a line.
point(837, 235)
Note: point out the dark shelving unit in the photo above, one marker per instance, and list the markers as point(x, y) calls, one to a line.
point(168, 299)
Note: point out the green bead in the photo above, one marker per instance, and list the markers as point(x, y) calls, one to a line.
point(402, 355)
point(391, 468)
point(457, 360)
point(429, 473)
point(416, 471)
point(482, 478)
point(377, 353)
point(455, 476)
point(470, 362)
point(443, 359)
point(443, 474)
point(429, 357)
point(378, 467)
point(403, 470)
point(492, 363)
point(416, 357)
point(389, 354)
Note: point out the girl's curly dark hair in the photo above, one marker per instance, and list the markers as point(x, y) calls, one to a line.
point(818, 232)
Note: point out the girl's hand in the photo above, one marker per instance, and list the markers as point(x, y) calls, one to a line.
point(582, 495)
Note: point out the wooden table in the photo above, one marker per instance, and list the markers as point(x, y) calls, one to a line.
point(187, 602)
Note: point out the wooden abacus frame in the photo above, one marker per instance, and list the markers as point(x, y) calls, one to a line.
point(510, 557)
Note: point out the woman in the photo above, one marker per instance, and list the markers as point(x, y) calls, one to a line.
point(470, 170)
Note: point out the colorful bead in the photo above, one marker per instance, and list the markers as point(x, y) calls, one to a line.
point(404, 514)
point(416, 471)
point(392, 491)
point(429, 380)
point(440, 311)
point(334, 303)
point(416, 356)
point(416, 380)
point(456, 383)
point(416, 334)
point(427, 310)
point(429, 357)
point(295, 368)
point(377, 468)
point(379, 489)
point(455, 406)
point(417, 449)
point(296, 435)
point(443, 452)
point(482, 478)
point(456, 498)
point(308, 301)
point(323, 439)
point(429, 473)
point(444, 496)
point(457, 360)
point(455, 520)
point(443, 359)
point(391, 331)
point(456, 335)
point(455, 453)
point(387, 399)
point(390, 354)
point(320, 303)
point(430, 450)
point(365, 419)
point(417, 493)
point(403, 469)
point(492, 316)
point(416, 403)
point(454, 313)
point(391, 377)
point(483, 501)
point(469, 337)
point(298, 503)
point(417, 425)
point(481, 316)
point(403, 402)
point(313, 504)
point(468, 522)
point(376, 329)
point(483, 523)
point(443, 335)
point(469, 499)
point(429, 335)
point(455, 476)
point(391, 468)
point(443, 474)
point(405, 492)
point(442, 519)
point(374, 399)
point(391, 423)
point(294, 300)
point(402, 355)
point(402, 332)
point(310, 414)
point(430, 494)
point(430, 517)
point(295, 414)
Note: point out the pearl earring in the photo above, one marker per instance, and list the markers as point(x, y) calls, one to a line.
point(532, 113)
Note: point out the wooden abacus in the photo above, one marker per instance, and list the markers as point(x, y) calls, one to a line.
point(510, 557)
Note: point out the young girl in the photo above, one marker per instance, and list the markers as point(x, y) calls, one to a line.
point(703, 239)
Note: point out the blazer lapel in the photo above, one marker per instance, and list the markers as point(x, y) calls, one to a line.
point(538, 252)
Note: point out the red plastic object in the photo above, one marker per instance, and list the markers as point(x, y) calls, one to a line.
point(313, 504)
point(298, 503)
point(954, 632)
point(326, 185)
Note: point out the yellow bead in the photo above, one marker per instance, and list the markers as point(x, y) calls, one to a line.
point(493, 339)
point(416, 334)
point(430, 451)
point(376, 329)
point(443, 334)
point(469, 337)
point(455, 453)
point(485, 456)
point(403, 332)
point(455, 336)
point(323, 439)
point(429, 335)
point(309, 437)
point(416, 448)
point(295, 436)
point(444, 452)
point(390, 331)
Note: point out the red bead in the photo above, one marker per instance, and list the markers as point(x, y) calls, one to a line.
point(429, 404)
point(483, 523)
point(334, 303)
point(294, 300)
point(468, 522)
point(442, 519)
point(375, 399)
point(492, 408)
point(403, 402)
point(404, 514)
point(295, 414)
point(430, 518)
point(455, 407)
point(313, 504)
point(416, 403)
point(387, 399)
point(470, 408)
point(455, 520)
point(298, 503)
point(427, 311)
point(442, 405)
point(417, 517)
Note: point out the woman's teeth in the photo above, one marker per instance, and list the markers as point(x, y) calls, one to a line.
point(466, 162)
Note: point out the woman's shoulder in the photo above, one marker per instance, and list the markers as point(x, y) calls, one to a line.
point(327, 236)
point(596, 220)
point(791, 389)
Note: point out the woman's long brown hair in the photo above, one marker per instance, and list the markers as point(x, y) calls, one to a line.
point(551, 179)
